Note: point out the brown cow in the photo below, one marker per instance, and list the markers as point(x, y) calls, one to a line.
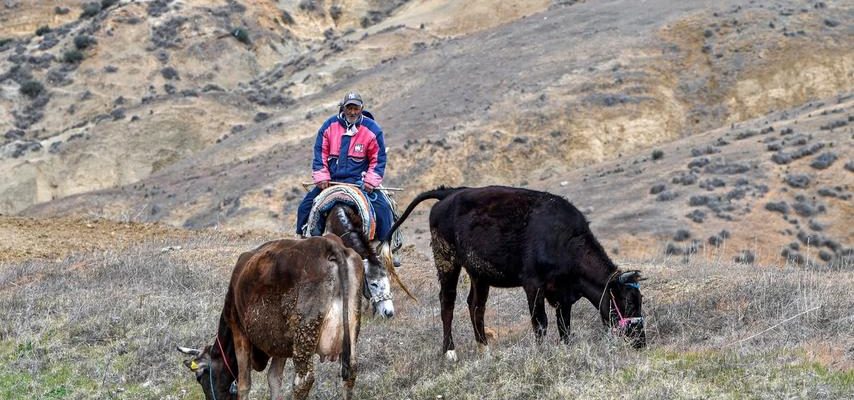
point(286, 299)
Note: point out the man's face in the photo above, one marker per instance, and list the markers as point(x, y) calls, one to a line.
point(352, 112)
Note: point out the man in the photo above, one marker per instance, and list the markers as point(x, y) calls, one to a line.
point(349, 148)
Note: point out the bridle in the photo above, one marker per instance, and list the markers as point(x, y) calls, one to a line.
point(622, 322)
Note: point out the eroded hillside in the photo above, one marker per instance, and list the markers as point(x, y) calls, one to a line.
point(201, 113)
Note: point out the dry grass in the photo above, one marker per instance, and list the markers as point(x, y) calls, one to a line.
point(105, 324)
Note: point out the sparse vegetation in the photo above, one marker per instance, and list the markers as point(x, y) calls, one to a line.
point(107, 3)
point(242, 35)
point(83, 41)
point(98, 324)
point(72, 56)
point(43, 30)
point(287, 19)
point(657, 154)
point(90, 10)
point(61, 10)
point(32, 88)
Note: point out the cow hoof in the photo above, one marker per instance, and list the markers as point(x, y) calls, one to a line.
point(451, 355)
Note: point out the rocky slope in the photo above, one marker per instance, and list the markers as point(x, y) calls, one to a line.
point(202, 113)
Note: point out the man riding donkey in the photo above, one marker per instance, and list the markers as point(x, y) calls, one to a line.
point(350, 150)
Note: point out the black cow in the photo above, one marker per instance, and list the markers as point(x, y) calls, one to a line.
point(510, 237)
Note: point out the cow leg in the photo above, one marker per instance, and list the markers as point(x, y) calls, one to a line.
point(303, 377)
point(304, 348)
point(449, 274)
point(478, 294)
point(274, 378)
point(563, 313)
point(537, 307)
point(243, 349)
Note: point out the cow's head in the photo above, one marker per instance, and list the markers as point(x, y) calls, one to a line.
point(210, 372)
point(624, 310)
point(378, 288)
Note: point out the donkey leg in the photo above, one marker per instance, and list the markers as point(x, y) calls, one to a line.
point(537, 307)
point(478, 294)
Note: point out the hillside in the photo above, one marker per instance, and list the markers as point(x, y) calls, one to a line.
point(170, 117)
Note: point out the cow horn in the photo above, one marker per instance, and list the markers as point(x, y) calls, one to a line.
point(190, 351)
point(627, 276)
point(385, 254)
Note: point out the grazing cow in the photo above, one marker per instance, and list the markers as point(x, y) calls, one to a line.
point(510, 237)
point(286, 299)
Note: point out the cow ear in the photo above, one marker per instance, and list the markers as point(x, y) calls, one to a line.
point(189, 351)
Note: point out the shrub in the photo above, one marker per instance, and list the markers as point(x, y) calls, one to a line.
point(83, 41)
point(42, 30)
point(287, 19)
point(657, 154)
point(32, 88)
point(72, 56)
point(107, 3)
point(61, 10)
point(241, 35)
point(90, 10)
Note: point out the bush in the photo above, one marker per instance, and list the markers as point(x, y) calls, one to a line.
point(83, 41)
point(72, 56)
point(90, 10)
point(657, 154)
point(43, 30)
point(32, 88)
point(61, 10)
point(287, 19)
point(107, 3)
point(241, 35)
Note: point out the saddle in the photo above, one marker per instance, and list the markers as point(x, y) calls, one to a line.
point(328, 198)
point(354, 197)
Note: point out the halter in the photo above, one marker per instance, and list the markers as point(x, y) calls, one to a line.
point(622, 322)
point(381, 297)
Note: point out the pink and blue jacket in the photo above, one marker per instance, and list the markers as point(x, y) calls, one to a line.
point(349, 155)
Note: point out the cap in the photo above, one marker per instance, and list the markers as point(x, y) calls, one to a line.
point(353, 98)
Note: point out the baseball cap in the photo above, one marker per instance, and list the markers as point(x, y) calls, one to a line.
point(353, 98)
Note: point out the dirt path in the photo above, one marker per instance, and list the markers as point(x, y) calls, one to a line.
point(31, 238)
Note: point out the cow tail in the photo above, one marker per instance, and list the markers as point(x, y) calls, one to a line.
point(439, 194)
point(344, 281)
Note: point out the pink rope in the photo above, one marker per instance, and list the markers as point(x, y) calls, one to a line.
point(224, 357)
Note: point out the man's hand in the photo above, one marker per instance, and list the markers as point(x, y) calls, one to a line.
point(322, 185)
point(368, 187)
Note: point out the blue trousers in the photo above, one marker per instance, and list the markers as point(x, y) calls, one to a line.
point(382, 210)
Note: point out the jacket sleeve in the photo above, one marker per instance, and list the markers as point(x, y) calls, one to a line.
point(376, 159)
point(320, 164)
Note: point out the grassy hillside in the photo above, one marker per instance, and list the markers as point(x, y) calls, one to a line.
point(104, 324)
